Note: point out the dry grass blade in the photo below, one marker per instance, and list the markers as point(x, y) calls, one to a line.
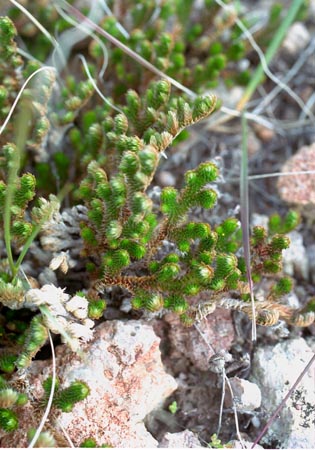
point(36, 23)
point(41, 28)
point(234, 410)
point(289, 75)
point(88, 73)
point(266, 58)
point(5, 123)
point(51, 395)
point(66, 435)
point(245, 220)
point(70, 38)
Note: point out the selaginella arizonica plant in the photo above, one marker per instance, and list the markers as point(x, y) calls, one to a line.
point(155, 251)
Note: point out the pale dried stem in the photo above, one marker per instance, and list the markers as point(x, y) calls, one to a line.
point(51, 395)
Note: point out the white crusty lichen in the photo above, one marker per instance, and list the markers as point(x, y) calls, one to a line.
point(62, 314)
point(62, 232)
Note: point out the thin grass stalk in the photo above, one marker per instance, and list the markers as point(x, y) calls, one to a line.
point(88, 74)
point(79, 38)
point(36, 23)
point(22, 125)
point(223, 379)
point(238, 434)
point(294, 70)
point(51, 395)
point(12, 176)
point(221, 403)
point(270, 52)
point(245, 219)
point(273, 175)
point(27, 245)
point(66, 434)
point(21, 92)
point(40, 27)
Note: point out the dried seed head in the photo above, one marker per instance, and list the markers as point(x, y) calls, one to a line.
point(8, 397)
point(60, 261)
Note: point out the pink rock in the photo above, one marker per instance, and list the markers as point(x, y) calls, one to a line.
point(299, 189)
point(218, 334)
point(123, 369)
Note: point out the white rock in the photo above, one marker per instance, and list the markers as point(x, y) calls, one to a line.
point(184, 439)
point(166, 178)
point(259, 220)
point(47, 276)
point(275, 369)
point(297, 38)
point(295, 261)
point(311, 261)
point(247, 395)
point(244, 444)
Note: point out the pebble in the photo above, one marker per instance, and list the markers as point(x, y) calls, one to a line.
point(295, 261)
point(166, 178)
point(184, 439)
point(297, 39)
point(247, 395)
point(263, 133)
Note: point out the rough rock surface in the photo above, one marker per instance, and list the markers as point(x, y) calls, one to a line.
point(275, 369)
point(311, 262)
point(295, 261)
point(244, 444)
point(217, 334)
point(246, 394)
point(123, 369)
point(184, 439)
point(299, 189)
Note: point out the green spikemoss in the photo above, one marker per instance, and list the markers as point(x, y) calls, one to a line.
point(7, 363)
point(283, 286)
point(88, 443)
point(36, 336)
point(66, 398)
point(8, 420)
point(129, 234)
point(96, 308)
point(284, 225)
point(91, 443)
